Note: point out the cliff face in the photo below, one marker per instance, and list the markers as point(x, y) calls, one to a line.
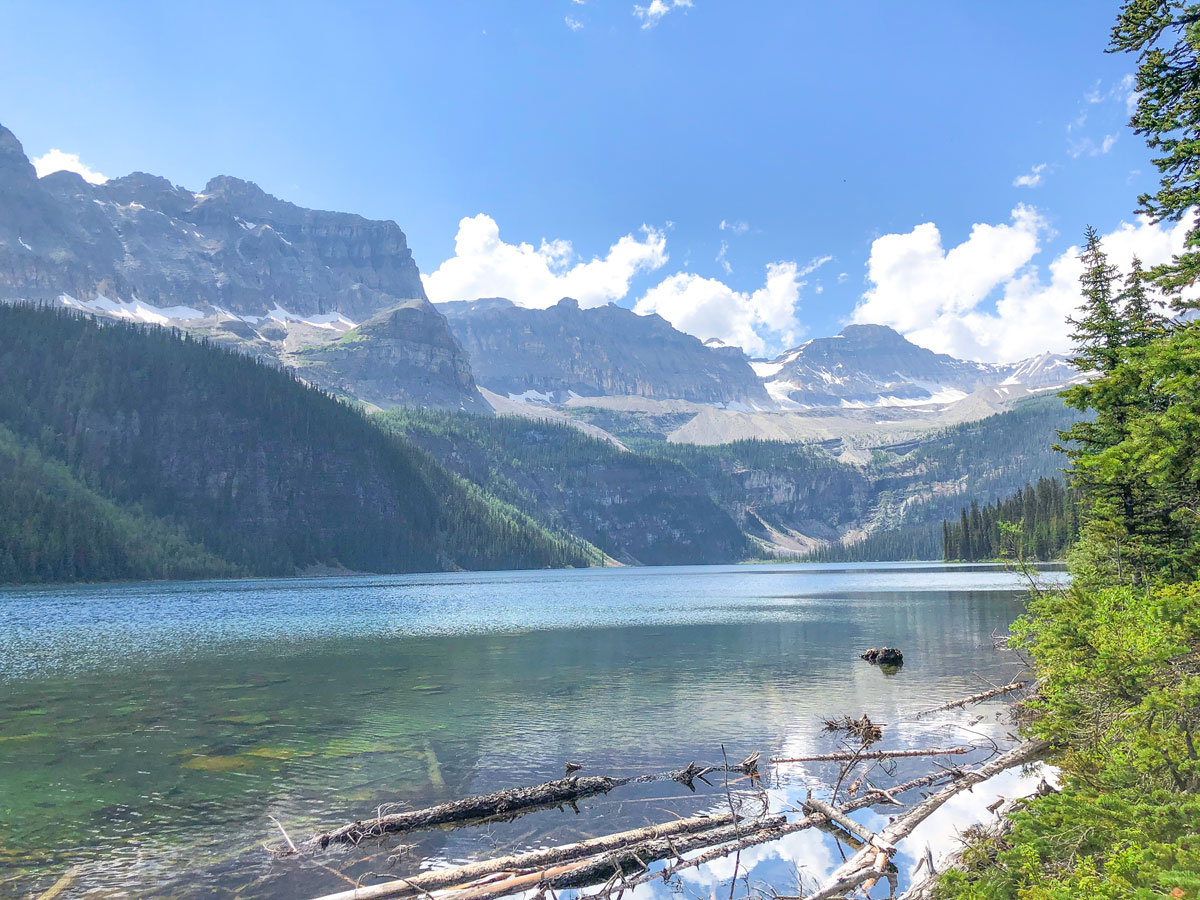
point(604, 351)
point(871, 365)
point(231, 262)
point(401, 357)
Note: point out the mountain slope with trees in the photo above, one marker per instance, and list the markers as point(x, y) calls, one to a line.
point(636, 509)
point(1039, 522)
point(267, 475)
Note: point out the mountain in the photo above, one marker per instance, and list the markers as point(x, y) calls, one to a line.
point(231, 262)
point(637, 509)
point(792, 498)
point(873, 365)
point(131, 436)
point(554, 354)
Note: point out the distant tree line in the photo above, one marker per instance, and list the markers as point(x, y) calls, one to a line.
point(1039, 522)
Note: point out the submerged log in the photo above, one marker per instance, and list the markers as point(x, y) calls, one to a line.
point(852, 756)
point(975, 698)
point(501, 804)
point(533, 859)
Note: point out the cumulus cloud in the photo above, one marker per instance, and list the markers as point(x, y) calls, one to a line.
point(758, 321)
point(653, 14)
point(1032, 178)
point(483, 265)
point(985, 298)
point(1088, 147)
point(57, 161)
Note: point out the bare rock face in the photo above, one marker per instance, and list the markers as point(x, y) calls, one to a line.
point(231, 262)
point(871, 366)
point(403, 356)
point(602, 351)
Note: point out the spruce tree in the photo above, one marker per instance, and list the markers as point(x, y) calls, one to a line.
point(1165, 34)
point(1142, 323)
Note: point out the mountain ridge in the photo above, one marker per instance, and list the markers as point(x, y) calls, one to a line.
point(231, 262)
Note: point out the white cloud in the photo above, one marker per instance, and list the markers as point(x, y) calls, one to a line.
point(653, 14)
point(738, 227)
point(763, 320)
point(57, 161)
point(573, 24)
point(984, 298)
point(1032, 178)
point(1088, 147)
point(485, 266)
point(1127, 88)
point(722, 260)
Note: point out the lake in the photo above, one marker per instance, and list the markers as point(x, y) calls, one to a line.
point(148, 731)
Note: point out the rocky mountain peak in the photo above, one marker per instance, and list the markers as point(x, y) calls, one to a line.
point(14, 163)
point(873, 336)
point(235, 189)
point(553, 354)
point(234, 263)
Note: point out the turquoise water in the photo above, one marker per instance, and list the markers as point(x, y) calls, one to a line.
point(148, 731)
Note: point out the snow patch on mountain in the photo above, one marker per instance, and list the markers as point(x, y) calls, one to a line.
point(133, 310)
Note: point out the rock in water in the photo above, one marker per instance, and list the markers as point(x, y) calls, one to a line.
point(884, 656)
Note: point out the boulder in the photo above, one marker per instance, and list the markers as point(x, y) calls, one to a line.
point(884, 656)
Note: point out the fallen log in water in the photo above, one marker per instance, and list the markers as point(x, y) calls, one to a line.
point(870, 864)
point(855, 756)
point(532, 859)
point(501, 804)
point(513, 802)
point(606, 867)
point(765, 834)
point(926, 887)
point(610, 858)
point(975, 698)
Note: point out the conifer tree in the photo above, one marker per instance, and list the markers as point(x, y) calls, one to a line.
point(1165, 34)
point(1142, 323)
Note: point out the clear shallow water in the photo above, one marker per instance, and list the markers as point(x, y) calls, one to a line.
point(147, 731)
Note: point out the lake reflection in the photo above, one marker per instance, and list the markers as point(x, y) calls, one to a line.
point(147, 731)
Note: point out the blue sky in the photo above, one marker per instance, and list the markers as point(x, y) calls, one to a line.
point(865, 143)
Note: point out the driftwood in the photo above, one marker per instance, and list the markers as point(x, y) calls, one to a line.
point(522, 863)
point(622, 861)
point(612, 866)
point(594, 868)
point(975, 698)
point(855, 756)
point(925, 888)
point(862, 832)
point(513, 802)
point(501, 804)
point(765, 834)
point(870, 863)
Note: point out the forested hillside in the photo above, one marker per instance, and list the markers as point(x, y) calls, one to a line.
point(1039, 522)
point(176, 458)
point(636, 509)
point(890, 507)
